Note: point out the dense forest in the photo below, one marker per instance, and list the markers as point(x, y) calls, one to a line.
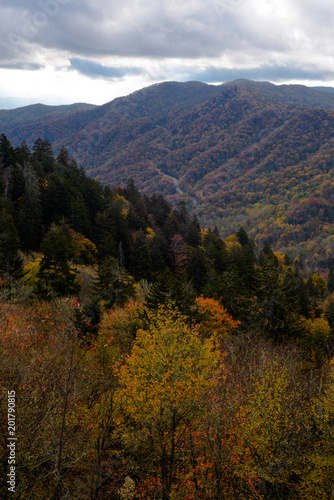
point(244, 153)
point(150, 358)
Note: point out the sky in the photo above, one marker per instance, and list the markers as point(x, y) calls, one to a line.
point(66, 51)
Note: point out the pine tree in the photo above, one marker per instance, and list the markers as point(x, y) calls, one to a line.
point(16, 184)
point(140, 259)
point(42, 156)
point(10, 261)
point(28, 214)
point(55, 272)
point(330, 279)
point(7, 152)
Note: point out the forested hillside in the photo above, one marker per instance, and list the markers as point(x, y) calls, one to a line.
point(149, 357)
point(242, 153)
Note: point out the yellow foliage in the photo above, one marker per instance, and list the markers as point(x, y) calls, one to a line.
point(165, 383)
point(31, 270)
point(150, 232)
point(318, 328)
point(232, 238)
point(83, 249)
point(280, 257)
point(121, 325)
point(316, 337)
point(232, 244)
point(267, 426)
point(319, 462)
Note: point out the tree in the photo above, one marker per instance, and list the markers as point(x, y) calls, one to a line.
point(167, 288)
point(159, 252)
point(114, 285)
point(270, 422)
point(16, 184)
point(198, 267)
point(42, 155)
point(140, 259)
point(63, 157)
point(318, 483)
point(6, 151)
point(29, 212)
point(131, 192)
point(330, 279)
point(216, 251)
point(55, 270)
point(65, 392)
point(279, 302)
point(213, 318)
point(10, 261)
point(112, 230)
point(164, 388)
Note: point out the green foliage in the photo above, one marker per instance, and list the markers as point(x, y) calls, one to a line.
point(271, 434)
point(55, 272)
point(127, 384)
point(10, 260)
point(114, 284)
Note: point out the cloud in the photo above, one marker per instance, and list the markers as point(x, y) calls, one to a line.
point(96, 70)
point(278, 74)
point(207, 40)
point(154, 29)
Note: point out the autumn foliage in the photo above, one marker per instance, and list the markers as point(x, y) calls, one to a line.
point(153, 360)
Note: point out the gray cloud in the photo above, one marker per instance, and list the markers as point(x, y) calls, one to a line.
point(190, 29)
point(266, 73)
point(263, 39)
point(96, 70)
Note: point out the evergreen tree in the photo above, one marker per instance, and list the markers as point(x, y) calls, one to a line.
point(159, 252)
point(243, 237)
point(28, 215)
point(278, 304)
point(197, 268)
point(235, 296)
point(216, 251)
point(131, 193)
point(42, 156)
point(140, 259)
point(63, 157)
point(265, 252)
point(242, 257)
point(23, 153)
point(7, 152)
point(10, 260)
point(330, 279)
point(159, 208)
point(115, 285)
point(16, 183)
point(192, 234)
point(55, 272)
point(112, 230)
point(167, 288)
point(329, 312)
point(296, 293)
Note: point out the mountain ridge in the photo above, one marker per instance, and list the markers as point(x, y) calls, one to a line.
point(240, 153)
point(31, 112)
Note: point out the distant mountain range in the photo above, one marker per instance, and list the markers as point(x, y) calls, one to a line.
point(241, 153)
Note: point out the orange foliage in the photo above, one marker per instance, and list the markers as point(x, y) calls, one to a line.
point(214, 319)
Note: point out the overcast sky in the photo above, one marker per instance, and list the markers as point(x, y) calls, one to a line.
point(65, 51)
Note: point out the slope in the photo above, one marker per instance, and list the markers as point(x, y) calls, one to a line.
point(244, 152)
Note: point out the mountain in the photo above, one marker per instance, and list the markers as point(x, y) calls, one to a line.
point(10, 118)
point(325, 89)
point(241, 153)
